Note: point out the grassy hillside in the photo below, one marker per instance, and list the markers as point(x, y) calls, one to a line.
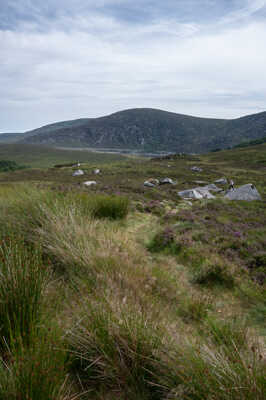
point(43, 156)
point(121, 291)
point(151, 130)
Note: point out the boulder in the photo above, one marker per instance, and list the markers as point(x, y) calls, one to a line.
point(149, 184)
point(196, 169)
point(205, 193)
point(90, 183)
point(221, 181)
point(211, 187)
point(190, 194)
point(79, 172)
point(167, 181)
point(246, 192)
point(96, 171)
point(200, 182)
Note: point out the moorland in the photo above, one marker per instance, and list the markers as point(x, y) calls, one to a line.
point(121, 291)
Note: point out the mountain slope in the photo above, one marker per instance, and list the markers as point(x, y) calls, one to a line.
point(150, 129)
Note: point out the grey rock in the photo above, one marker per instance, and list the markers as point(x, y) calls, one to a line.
point(167, 181)
point(200, 182)
point(96, 171)
point(211, 187)
point(196, 169)
point(246, 192)
point(205, 193)
point(149, 184)
point(90, 183)
point(221, 181)
point(190, 194)
point(79, 172)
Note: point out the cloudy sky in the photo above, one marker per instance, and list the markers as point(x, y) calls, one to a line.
point(67, 59)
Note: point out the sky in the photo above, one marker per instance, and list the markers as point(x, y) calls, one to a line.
point(68, 59)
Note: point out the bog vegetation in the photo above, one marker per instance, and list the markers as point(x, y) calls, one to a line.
point(107, 294)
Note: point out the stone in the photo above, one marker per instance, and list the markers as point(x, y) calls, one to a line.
point(200, 182)
point(96, 171)
point(167, 181)
point(149, 184)
point(190, 194)
point(196, 169)
point(246, 192)
point(205, 193)
point(78, 172)
point(90, 183)
point(221, 181)
point(211, 187)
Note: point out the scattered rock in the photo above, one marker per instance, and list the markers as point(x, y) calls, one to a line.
point(149, 184)
point(205, 193)
point(246, 192)
point(166, 181)
point(90, 183)
point(200, 182)
point(196, 169)
point(221, 181)
point(190, 194)
point(211, 187)
point(79, 172)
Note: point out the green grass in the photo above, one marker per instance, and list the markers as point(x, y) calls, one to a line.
point(23, 278)
point(122, 291)
point(36, 156)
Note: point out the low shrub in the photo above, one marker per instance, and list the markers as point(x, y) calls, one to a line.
point(165, 241)
point(212, 274)
point(112, 207)
point(194, 309)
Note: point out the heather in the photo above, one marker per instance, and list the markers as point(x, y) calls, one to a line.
point(122, 292)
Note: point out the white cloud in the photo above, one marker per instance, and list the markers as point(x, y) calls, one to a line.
point(100, 65)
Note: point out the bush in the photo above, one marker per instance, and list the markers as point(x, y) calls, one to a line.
point(212, 274)
point(165, 241)
point(194, 309)
point(7, 165)
point(112, 207)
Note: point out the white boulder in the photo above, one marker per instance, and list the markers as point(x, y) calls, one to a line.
point(90, 183)
point(78, 172)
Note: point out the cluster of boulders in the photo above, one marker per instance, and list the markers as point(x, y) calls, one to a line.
point(152, 182)
point(80, 172)
point(246, 192)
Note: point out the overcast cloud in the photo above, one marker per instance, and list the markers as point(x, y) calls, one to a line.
point(69, 59)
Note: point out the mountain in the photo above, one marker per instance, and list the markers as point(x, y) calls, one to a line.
point(146, 129)
point(10, 137)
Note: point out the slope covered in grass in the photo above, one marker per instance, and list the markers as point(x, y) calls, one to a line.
point(94, 310)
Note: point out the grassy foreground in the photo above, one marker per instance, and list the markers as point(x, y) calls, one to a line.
point(152, 298)
point(101, 301)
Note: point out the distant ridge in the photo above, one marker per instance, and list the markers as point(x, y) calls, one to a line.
point(147, 129)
